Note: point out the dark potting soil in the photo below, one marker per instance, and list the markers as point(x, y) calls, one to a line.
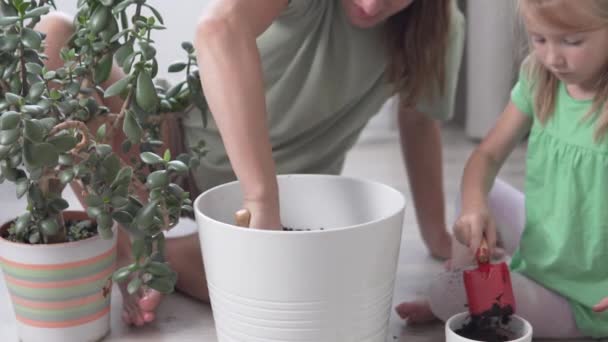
point(288, 229)
point(80, 230)
point(489, 326)
point(77, 230)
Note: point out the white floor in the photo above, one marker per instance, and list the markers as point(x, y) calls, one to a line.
point(181, 319)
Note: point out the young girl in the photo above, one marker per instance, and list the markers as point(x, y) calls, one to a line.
point(559, 234)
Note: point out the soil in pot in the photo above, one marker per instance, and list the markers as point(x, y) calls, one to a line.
point(289, 229)
point(77, 230)
point(490, 326)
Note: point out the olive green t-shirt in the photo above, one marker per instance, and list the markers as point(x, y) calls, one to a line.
point(564, 246)
point(324, 80)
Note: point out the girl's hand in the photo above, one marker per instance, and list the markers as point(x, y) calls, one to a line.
point(601, 306)
point(474, 224)
point(264, 215)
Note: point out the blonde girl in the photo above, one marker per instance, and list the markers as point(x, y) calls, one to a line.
point(557, 231)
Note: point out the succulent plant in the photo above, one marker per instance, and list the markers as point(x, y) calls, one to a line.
point(56, 131)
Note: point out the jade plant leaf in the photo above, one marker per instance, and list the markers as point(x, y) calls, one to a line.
point(31, 38)
point(151, 158)
point(145, 94)
point(117, 87)
point(131, 127)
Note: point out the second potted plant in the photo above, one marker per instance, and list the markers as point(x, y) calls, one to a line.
point(55, 131)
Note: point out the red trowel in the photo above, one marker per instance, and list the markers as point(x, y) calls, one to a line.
point(488, 287)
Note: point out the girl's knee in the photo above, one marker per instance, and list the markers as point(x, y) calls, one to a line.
point(461, 256)
point(56, 23)
point(447, 295)
point(58, 29)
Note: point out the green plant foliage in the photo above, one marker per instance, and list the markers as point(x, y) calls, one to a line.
point(54, 131)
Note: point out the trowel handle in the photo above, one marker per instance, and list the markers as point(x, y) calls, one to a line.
point(483, 252)
point(242, 218)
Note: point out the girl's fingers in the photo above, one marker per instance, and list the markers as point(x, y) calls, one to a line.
point(601, 306)
point(490, 234)
point(476, 232)
point(462, 231)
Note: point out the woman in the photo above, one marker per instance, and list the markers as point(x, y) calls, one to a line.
point(291, 84)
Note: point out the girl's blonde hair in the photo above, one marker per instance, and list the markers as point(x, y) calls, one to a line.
point(417, 42)
point(569, 15)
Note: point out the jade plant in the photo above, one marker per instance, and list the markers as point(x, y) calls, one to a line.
point(55, 130)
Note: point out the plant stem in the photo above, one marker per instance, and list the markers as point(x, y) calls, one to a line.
point(52, 187)
point(138, 9)
point(79, 125)
point(165, 215)
point(123, 110)
point(23, 71)
point(4, 87)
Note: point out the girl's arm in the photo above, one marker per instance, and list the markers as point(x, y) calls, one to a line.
point(479, 174)
point(231, 76)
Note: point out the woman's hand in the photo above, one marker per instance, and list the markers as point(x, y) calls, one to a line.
point(264, 214)
point(474, 224)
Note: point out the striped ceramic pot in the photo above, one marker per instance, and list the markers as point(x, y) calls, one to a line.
point(60, 292)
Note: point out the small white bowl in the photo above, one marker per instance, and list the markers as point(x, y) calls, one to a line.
point(518, 325)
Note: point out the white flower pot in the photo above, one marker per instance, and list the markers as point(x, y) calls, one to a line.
point(60, 292)
point(519, 326)
point(329, 285)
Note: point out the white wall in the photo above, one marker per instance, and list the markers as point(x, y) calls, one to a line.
point(491, 62)
point(180, 18)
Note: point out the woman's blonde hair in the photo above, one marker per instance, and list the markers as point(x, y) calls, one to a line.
point(417, 41)
point(569, 15)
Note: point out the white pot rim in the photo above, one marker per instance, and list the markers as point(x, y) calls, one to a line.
point(527, 325)
point(295, 232)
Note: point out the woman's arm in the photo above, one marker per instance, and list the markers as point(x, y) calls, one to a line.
point(421, 147)
point(231, 76)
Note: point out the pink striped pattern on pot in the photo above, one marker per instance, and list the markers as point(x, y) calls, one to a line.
point(61, 295)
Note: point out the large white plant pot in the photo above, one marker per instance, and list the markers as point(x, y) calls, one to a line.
point(60, 292)
point(519, 326)
point(329, 285)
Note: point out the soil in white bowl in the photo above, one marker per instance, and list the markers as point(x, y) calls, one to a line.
point(490, 326)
